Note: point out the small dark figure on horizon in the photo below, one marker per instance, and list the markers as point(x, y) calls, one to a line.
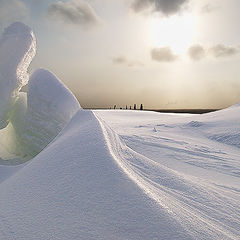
point(141, 107)
point(130, 107)
point(135, 107)
point(114, 107)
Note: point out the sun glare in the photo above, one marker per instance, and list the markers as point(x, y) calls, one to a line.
point(176, 32)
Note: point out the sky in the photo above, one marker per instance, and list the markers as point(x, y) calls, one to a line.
point(164, 54)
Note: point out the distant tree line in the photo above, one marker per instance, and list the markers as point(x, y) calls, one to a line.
point(130, 107)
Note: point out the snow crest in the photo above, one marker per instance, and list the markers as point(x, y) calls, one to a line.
point(34, 119)
point(50, 106)
point(17, 49)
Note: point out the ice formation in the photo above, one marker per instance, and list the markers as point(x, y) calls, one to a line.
point(17, 49)
point(50, 106)
point(37, 117)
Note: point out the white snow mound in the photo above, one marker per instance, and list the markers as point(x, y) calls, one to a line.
point(50, 106)
point(74, 189)
point(17, 49)
point(37, 117)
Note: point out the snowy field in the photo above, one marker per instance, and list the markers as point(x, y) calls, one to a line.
point(188, 164)
point(69, 173)
point(129, 175)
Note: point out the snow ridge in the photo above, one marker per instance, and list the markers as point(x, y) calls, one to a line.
point(196, 205)
point(74, 189)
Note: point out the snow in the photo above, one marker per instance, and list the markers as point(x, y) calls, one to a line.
point(50, 106)
point(175, 161)
point(29, 122)
point(109, 174)
point(75, 190)
point(94, 182)
point(17, 49)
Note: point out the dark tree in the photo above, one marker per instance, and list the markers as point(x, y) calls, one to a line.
point(141, 107)
point(135, 107)
point(126, 107)
point(114, 106)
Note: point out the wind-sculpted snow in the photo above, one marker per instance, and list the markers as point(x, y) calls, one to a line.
point(89, 184)
point(174, 166)
point(50, 106)
point(74, 189)
point(228, 129)
point(17, 49)
point(38, 116)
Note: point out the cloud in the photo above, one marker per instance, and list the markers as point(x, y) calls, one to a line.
point(73, 12)
point(166, 7)
point(221, 50)
point(121, 60)
point(12, 10)
point(196, 52)
point(163, 54)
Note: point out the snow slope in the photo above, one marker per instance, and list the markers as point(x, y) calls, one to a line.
point(74, 189)
point(108, 175)
point(175, 161)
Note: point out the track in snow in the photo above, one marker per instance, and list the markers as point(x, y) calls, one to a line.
point(74, 189)
point(204, 209)
point(88, 184)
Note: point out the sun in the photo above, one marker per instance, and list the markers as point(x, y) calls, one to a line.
point(176, 32)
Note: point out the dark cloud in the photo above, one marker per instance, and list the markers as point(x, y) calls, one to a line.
point(221, 50)
point(121, 60)
point(75, 12)
point(166, 7)
point(12, 10)
point(163, 54)
point(196, 52)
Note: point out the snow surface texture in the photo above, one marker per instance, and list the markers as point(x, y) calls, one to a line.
point(109, 175)
point(116, 174)
point(38, 116)
point(174, 160)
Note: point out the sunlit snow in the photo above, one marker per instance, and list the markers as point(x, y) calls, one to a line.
point(34, 119)
point(109, 174)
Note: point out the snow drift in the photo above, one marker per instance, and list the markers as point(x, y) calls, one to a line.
point(37, 117)
point(75, 190)
point(206, 209)
point(92, 183)
point(48, 107)
point(17, 49)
